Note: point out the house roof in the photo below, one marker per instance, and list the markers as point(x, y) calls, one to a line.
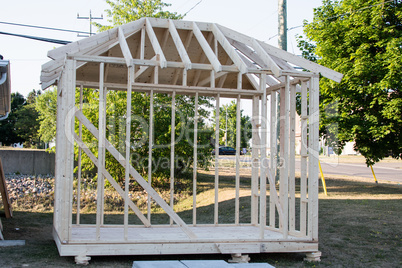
point(5, 87)
point(197, 47)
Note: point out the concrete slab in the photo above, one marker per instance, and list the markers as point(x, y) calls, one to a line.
point(12, 243)
point(158, 264)
point(206, 264)
point(251, 265)
point(198, 264)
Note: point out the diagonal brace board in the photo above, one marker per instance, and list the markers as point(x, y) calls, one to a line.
point(144, 184)
point(111, 180)
point(229, 49)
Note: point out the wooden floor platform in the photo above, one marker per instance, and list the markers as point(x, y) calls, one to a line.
point(173, 234)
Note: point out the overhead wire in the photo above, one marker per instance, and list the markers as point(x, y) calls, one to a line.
point(42, 27)
point(192, 8)
point(44, 39)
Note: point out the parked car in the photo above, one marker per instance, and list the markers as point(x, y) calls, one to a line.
point(225, 150)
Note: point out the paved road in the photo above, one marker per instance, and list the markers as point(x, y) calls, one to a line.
point(384, 171)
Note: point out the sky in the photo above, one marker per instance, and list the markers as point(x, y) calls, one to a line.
point(256, 18)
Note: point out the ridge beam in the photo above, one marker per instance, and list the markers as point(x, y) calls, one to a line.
point(207, 49)
point(234, 56)
point(155, 44)
point(179, 45)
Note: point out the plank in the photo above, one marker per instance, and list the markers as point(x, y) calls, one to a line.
point(292, 152)
point(263, 158)
point(155, 43)
point(79, 164)
point(217, 126)
point(68, 156)
point(303, 160)
point(130, 75)
point(124, 48)
point(234, 56)
point(150, 145)
point(4, 193)
point(195, 156)
point(266, 58)
point(237, 179)
point(313, 157)
point(273, 156)
point(207, 49)
point(121, 159)
point(179, 45)
point(172, 146)
point(254, 158)
point(289, 57)
point(306, 64)
point(101, 151)
point(284, 154)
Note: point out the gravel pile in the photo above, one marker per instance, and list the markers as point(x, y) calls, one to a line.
point(19, 186)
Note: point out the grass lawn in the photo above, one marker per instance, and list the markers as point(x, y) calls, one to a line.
point(360, 226)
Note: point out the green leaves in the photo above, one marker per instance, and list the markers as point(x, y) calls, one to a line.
point(362, 40)
point(125, 11)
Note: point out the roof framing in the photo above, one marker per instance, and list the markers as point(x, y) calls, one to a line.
point(200, 52)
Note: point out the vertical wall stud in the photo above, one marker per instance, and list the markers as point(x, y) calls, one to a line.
point(195, 164)
point(172, 145)
point(151, 142)
point(216, 160)
point(238, 126)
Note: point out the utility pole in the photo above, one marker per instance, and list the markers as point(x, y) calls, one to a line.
point(282, 25)
point(90, 18)
point(283, 44)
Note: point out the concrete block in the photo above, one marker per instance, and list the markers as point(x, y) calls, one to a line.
point(251, 265)
point(12, 243)
point(206, 264)
point(158, 264)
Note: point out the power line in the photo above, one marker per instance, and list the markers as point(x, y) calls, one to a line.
point(44, 39)
point(192, 8)
point(42, 27)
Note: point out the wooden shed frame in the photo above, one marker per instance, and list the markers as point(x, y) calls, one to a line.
point(198, 59)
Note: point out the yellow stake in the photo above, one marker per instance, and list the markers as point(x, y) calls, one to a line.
point(324, 185)
point(372, 170)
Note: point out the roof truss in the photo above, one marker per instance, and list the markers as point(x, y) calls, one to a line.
point(187, 53)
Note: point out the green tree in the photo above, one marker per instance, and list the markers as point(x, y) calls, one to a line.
point(21, 126)
point(8, 134)
point(125, 11)
point(361, 39)
point(46, 106)
point(227, 114)
point(27, 124)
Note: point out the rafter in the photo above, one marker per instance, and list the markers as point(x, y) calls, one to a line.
point(266, 58)
point(179, 45)
point(206, 48)
point(229, 49)
point(155, 43)
point(124, 48)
